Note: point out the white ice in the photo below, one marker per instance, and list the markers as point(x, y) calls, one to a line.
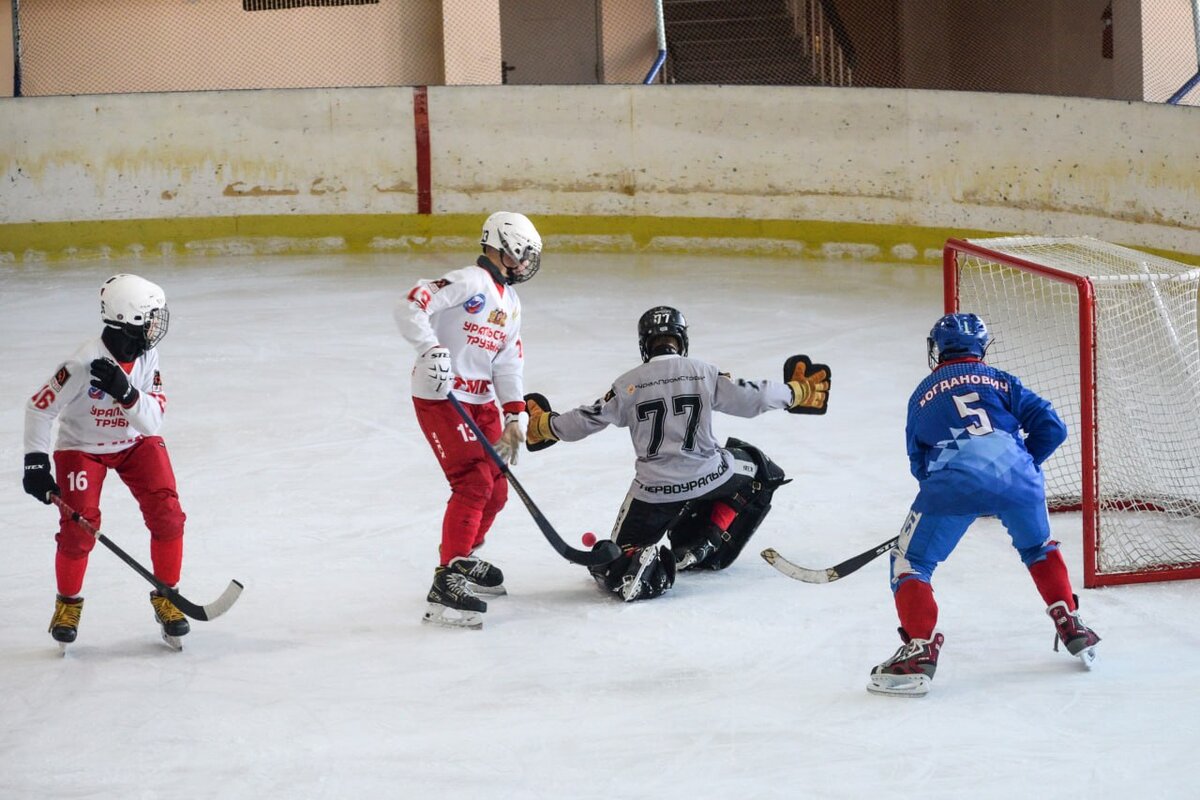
point(304, 476)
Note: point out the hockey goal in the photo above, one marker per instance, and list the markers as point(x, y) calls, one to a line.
point(1109, 336)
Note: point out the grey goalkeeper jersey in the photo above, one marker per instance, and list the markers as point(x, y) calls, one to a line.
point(667, 404)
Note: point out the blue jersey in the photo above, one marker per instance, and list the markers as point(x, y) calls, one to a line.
point(965, 440)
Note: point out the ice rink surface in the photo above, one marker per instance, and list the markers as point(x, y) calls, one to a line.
point(304, 475)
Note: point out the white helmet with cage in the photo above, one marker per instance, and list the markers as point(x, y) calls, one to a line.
point(135, 306)
point(513, 234)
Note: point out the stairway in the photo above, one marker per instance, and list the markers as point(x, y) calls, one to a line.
point(735, 42)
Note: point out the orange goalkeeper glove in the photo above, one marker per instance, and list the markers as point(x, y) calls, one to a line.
point(810, 385)
point(539, 435)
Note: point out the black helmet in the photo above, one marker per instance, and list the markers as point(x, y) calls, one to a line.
point(658, 321)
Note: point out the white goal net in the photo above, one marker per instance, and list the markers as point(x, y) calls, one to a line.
point(1109, 335)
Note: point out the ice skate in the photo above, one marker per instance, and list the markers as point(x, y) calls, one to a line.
point(452, 604)
point(909, 672)
point(484, 578)
point(1079, 639)
point(174, 624)
point(693, 556)
point(64, 625)
point(650, 573)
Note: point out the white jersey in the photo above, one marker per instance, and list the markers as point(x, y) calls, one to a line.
point(478, 320)
point(89, 420)
point(667, 404)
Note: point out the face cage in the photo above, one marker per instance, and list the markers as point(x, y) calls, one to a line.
point(157, 322)
point(532, 261)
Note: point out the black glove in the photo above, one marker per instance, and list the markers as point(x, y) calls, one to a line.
point(38, 480)
point(109, 378)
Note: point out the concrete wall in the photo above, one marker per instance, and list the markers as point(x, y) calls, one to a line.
point(878, 173)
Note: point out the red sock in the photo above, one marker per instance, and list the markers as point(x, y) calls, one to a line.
point(916, 608)
point(69, 573)
point(1052, 580)
point(167, 558)
point(722, 515)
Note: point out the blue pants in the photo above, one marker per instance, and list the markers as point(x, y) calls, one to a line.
point(927, 539)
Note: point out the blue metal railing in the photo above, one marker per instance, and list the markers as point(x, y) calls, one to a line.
point(660, 28)
point(1195, 79)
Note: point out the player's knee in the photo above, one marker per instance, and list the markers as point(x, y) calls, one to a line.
point(73, 541)
point(473, 490)
point(165, 517)
point(499, 495)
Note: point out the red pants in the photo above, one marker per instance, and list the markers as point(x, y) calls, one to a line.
point(478, 489)
point(146, 469)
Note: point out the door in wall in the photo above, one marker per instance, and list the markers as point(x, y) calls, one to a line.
point(550, 41)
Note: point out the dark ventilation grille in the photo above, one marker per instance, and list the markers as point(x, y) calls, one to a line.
point(275, 5)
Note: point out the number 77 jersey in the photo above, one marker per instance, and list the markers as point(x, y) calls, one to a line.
point(981, 436)
point(667, 404)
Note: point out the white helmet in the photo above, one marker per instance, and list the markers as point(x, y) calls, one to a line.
point(136, 306)
point(515, 235)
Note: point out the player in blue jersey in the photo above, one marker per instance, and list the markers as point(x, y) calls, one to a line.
point(976, 440)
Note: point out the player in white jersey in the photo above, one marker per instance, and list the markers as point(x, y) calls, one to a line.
point(108, 401)
point(706, 499)
point(466, 329)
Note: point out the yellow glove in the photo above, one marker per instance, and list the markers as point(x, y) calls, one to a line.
point(539, 435)
point(809, 383)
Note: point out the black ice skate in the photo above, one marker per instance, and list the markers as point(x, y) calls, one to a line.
point(908, 672)
point(695, 556)
point(174, 623)
point(484, 578)
point(64, 625)
point(651, 572)
point(1080, 640)
point(452, 604)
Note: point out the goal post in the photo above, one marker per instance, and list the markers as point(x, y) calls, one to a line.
point(1109, 335)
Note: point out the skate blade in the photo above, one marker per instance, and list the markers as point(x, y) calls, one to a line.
point(631, 585)
point(899, 685)
point(62, 649)
point(490, 591)
point(173, 642)
point(1087, 657)
point(442, 616)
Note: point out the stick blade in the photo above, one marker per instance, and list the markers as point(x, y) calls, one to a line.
point(797, 572)
point(603, 552)
point(211, 610)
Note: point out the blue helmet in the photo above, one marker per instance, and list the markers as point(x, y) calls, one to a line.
point(957, 336)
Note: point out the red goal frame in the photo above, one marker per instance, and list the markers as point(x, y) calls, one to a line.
point(1090, 507)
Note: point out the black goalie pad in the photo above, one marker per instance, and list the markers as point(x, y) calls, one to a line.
point(800, 368)
point(752, 505)
point(641, 573)
point(538, 402)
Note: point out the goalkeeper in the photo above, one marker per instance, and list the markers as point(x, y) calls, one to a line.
point(706, 499)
